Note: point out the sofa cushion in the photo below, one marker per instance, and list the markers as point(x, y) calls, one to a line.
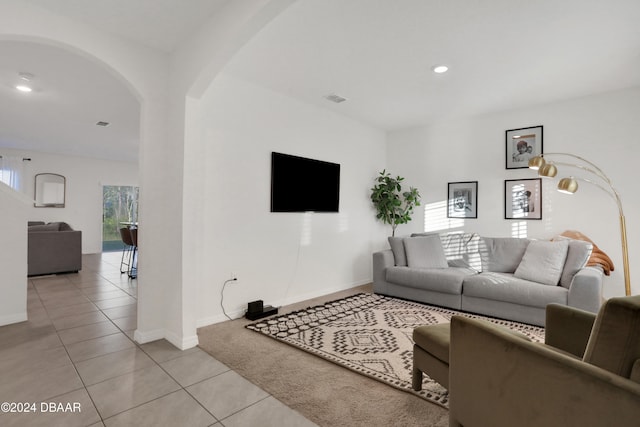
point(508, 288)
point(543, 262)
point(502, 254)
point(577, 256)
point(462, 250)
point(52, 226)
point(425, 252)
point(30, 223)
point(445, 280)
point(397, 247)
point(434, 339)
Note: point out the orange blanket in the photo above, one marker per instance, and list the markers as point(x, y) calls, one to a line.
point(598, 258)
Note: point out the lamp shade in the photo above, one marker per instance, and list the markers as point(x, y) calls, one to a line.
point(536, 163)
point(568, 185)
point(548, 170)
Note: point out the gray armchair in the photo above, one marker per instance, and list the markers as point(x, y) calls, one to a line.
point(586, 374)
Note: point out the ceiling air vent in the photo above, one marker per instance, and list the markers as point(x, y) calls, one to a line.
point(103, 124)
point(335, 98)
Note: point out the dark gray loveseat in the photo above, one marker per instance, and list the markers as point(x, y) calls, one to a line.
point(53, 248)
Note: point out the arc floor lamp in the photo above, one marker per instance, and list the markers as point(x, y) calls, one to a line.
point(569, 185)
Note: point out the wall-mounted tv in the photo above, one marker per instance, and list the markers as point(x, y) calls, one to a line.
point(299, 184)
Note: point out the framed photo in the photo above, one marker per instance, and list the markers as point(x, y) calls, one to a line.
point(463, 200)
point(521, 145)
point(523, 198)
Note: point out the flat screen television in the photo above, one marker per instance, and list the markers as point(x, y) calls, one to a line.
point(299, 184)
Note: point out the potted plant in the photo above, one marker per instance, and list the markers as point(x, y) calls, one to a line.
point(393, 206)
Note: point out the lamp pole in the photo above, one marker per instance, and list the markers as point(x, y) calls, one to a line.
point(569, 185)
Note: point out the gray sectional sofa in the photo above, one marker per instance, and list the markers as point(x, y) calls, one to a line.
point(509, 278)
point(53, 248)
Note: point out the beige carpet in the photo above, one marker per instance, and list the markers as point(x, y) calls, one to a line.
point(322, 391)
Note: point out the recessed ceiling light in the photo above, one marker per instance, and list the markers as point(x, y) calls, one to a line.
point(23, 88)
point(440, 69)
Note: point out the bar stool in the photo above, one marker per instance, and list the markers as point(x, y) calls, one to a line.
point(127, 250)
point(133, 270)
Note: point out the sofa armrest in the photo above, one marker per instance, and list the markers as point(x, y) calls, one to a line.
point(568, 328)
point(497, 379)
point(585, 291)
point(54, 252)
point(381, 261)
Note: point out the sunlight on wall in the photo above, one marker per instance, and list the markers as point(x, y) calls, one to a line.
point(435, 218)
point(305, 233)
point(519, 229)
point(343, 222)
point(548, 190)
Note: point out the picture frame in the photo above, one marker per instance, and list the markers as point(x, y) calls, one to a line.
point(462, 200)
point(521, 145)
point(523, 198)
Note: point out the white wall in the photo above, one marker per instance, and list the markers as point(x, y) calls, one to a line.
point(13, 262)
point(85, 179)
point(601, 128)
point(278, 257)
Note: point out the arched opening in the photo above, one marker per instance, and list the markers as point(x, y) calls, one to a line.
point(80, 120)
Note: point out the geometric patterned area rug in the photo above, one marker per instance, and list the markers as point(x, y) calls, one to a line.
point(372, 335)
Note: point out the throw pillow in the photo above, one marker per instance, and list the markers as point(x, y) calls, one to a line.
point(397, 247)
point(543, 262)
point(425, 252)
point(577, 256)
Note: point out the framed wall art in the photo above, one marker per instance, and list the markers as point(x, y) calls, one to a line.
point(521, 145)
point(462, 201)
point(523, 198)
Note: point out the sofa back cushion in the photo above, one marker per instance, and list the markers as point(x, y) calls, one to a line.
point(52, 226)
point(425, 252)
point(65, 227)
point(543, 262)
point(502, 254)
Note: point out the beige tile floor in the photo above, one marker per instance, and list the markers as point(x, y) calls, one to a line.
point(74, 363)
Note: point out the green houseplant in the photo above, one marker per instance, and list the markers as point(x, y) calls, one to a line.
point(393, 206)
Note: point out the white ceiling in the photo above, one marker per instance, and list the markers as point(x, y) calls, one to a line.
point(503, 54)
point(70, 95)
point(160, 24)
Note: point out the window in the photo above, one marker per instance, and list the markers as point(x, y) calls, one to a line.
point(12, 171)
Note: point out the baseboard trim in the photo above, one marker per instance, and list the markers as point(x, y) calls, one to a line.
point(143, 337)
point(236, 314)
point(182, 343)
point(211, 320)
point(13, 318)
